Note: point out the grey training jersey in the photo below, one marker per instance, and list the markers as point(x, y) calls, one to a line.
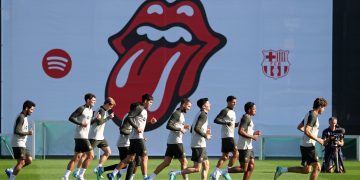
point(227, 115)
point(310, 120)
point(198, 130)
point(248, 125)
point(125, 130)
point(140, 122)
point(81, 114)
point(97, 127)
point(21, 129)
point(175, 124)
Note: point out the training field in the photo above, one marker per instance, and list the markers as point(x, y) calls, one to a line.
point(264, 170)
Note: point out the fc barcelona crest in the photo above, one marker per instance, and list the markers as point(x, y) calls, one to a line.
point(275, 64)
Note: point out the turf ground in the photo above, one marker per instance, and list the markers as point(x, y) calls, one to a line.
point(264, 170)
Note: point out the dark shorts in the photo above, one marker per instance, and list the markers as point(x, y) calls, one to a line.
point(175, 151)
point(308, 155)
point(137, 146)
point(82, 145)
point(198, 155)
point(124, 151)
point(20, 152)
point(245, 155)
point(228, 145)
point(98, 143)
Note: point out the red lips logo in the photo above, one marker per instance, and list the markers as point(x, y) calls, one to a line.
point(162, 50)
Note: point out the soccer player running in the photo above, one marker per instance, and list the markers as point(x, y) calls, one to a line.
point(123, 145)
point(82, 117)
point(200, 133)
point(175, 148)
point(137, 120)
point(21, 131)
point(310, 126)
point(96, 134)
point(226, 118)
point(246, 136)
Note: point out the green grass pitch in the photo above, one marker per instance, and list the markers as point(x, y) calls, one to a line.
point(264, 170)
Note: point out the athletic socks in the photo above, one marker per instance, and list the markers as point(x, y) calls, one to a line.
point(67, 173)
point(115, 172)
point(122, 171)
point(177, 173)
point(152, 176)
point(12, 176)
point(186, 177)
point(284, 169)
point(82, 172)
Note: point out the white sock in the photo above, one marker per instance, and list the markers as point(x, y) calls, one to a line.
point(115, 172)
point(219, 170)
point(12, 176)
point(152, 176)
point(132, 176)
point(82, 172)
point(145, 176)
point(284, 169)
point(67, 173)
point(99, 165)
point(122, 171)
point(177, 173)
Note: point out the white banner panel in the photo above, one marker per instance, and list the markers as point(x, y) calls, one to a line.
point(276, 53)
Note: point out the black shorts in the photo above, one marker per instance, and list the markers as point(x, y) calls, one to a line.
point(245, 155)
point(20, 152)
point(199, 155)
point(137, 146)
point(98, 143)
point(228, 145)
point(308, 155)
point(175, 151)
point(124, 151)
point(82, 145)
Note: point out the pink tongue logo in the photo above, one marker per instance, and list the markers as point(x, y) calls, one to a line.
point(162, 51)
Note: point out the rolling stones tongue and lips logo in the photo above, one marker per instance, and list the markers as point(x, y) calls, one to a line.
point(162, 50)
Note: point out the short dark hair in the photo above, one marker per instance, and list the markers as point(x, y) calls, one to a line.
point(146, 97)
point(319, 102)
point(28, 104)
point(201, 102)
point(230, 98)
point(248, 106)
point(89, 96)
point(184, 101)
